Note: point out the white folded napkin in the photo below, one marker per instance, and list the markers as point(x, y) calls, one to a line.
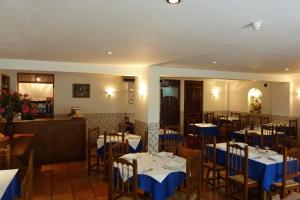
point(130, 156)
point(162, 154)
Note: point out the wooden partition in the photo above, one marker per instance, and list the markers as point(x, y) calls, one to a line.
point(55, 140)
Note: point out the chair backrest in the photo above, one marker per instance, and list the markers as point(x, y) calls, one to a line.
point(252, 138)
point(235, 114)
point(145, 141)
point(126, 127)
point(209, 117)
point(118, 149)
point(27, 183)
point(244, 121)
point(193, 175)
point(267, 132)
point(122, 179)
point(237, 160)
point(93, 134)
point(264, 120)
point(171, 146)
point(171, 133)
point(293, 128)
point(209, 154)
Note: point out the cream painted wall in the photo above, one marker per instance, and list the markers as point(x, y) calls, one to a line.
point(238, 99)
point(280, 98)
point(294, 99)
point(209, 102)
point(98, 102)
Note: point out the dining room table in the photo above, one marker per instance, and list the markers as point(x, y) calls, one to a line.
point(207, 129)
point(134, 142)
point(169, 135)
point(158, 174)
point(9, 184)
point(264, 166)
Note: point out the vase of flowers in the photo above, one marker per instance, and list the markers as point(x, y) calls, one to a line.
point(11, 104)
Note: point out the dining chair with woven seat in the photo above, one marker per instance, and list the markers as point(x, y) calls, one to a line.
point(192, 138)
point(118, 149)
point(225, 127)
point(290, 171)
point(122, 181)
point(237, 171)
point(209, 162)
point(252, 138)
point(93, 134)
point(209, 117)
point(264, 120)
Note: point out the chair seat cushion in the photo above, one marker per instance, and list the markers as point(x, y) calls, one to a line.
point(240, 179)
point(289, 183)
point(210, 166)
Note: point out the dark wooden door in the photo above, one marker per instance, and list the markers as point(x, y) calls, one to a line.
point(193, 102)
point(169, 102)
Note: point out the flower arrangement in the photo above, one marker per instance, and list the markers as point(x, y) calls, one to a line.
point(12, 103)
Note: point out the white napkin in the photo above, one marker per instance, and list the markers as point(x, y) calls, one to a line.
point(162, 154)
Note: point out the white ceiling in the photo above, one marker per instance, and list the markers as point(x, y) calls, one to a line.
point(152, 32)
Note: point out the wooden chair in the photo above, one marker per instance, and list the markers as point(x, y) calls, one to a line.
point(224, 126)
point(293, 128)
point(5, 152)
point(125, 185)
point(252, 138)
point(237, 170)
point(209, 162)
point(267, 132)
point(93, 134)
point(145, 141)
point(192, 138)
point(244, 121)
point(264, 120)
point(118, 149)
point(236, 115)
point(209, 117)
point(171, 136)
point(193, 174)
point(171, 146)
point(27, 183)
point(290, 170)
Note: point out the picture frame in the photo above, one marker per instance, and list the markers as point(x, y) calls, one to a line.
point(81, 90)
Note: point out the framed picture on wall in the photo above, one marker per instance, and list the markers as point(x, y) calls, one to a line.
point(81, 90)
point(5, 83)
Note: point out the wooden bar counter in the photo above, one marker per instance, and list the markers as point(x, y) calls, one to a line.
point(55, 140)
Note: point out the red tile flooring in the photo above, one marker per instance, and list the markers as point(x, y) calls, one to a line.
point(68, 181)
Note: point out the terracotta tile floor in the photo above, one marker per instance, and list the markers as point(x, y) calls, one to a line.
point(68, 181)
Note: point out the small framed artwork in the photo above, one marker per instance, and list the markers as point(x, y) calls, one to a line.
point(81, 90)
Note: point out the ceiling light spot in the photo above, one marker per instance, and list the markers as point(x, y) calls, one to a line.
point(287, 69)
point(173, 1)
point(109, 53)
point(214, 62)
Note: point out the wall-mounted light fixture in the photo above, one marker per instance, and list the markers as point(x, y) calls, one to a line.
point(110, 92)
point(298, 93)
point(215, 92)
point(143, 91)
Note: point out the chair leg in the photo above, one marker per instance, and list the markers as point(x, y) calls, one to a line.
point(97, 164)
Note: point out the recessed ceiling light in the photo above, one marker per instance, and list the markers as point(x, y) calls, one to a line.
point(287, 69)
point(109, 53)
point(214, 62)
point(173, 1)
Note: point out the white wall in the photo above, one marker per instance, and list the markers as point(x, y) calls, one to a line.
point(98, 102)
point(280, 99)
point(209, 102)
point(238, 99)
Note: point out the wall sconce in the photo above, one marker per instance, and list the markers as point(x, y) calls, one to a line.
point(215, 92)
point(143, 91)
point(110, 92)
point(298, 94)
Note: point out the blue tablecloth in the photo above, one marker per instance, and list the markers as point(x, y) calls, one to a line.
point(139, 148)
point(268, 139)
point(13, 189)
point(210, 131)
point(171, 137)
point(163, 190)
point(263, 173)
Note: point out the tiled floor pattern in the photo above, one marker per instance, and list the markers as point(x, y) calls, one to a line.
point(68, 181)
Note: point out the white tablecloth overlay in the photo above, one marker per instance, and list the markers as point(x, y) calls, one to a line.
point(6, 177)
point(266, 157)
point(152, 165)
point(168, 131)
point(205, 125)
point(256, 131)
point(133, 140)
